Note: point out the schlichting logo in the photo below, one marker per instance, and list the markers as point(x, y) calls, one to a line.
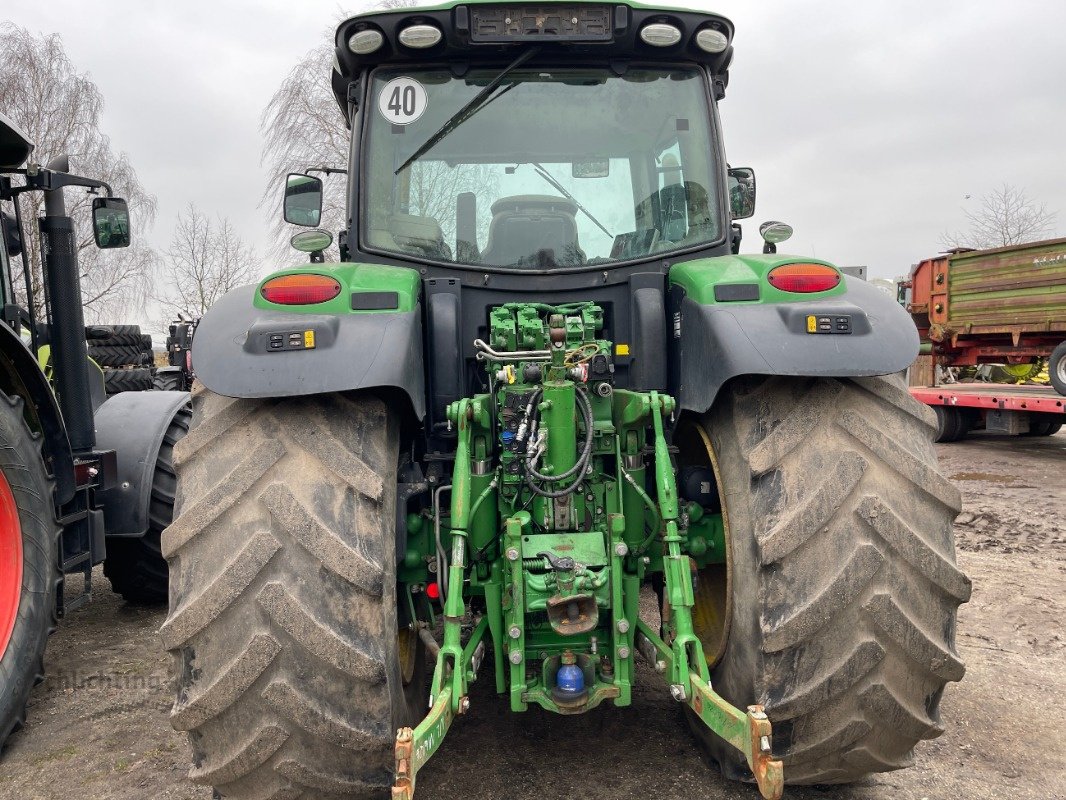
point(76, 681)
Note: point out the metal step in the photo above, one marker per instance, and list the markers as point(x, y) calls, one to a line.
point(69, 563)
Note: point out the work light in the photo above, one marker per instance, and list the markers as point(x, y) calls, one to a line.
point(366, 41)
point(711, 41)
point(659, 34)
point(420, 37)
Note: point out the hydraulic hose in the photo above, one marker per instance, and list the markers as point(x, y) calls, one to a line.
point(651, 507)
point(578, 468)
point(442, 559)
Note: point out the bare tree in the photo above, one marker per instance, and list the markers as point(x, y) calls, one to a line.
point(205, 260)
point(59, 108)
point(303, 127)
point(1005, 217)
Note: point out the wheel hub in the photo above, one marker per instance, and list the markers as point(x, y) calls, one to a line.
point(10, 563)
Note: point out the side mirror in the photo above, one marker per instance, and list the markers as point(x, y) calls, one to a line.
point(111, 222)
point(773, 233)
point(303, 200)
point(742, 192)
point(12, 235)
point(591, 168)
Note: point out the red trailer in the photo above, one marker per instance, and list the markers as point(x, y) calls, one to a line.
point(1001, 306)
point(997, 407)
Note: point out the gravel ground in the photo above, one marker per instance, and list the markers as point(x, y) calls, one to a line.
point(98, 727)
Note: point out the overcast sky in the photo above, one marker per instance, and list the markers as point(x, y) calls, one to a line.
point(868, 123)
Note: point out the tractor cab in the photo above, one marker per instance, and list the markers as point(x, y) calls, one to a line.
point(558, 139)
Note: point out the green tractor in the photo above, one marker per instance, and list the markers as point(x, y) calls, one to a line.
point(539, 382)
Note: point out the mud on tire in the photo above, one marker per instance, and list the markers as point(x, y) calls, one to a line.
point(282, 620)
point(844, 587)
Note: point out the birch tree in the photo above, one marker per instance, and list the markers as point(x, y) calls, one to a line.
point(205, 260)
point(1006, 216)
point(59, 108)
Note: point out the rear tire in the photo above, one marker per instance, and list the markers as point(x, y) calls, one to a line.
point(283, 597)
point(135, 565)
point(842, 576)
point(1056, 368)
point(28, 546)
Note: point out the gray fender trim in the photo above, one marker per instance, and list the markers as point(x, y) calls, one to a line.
point(133, 425)
point(353, 351)
point(716, 343)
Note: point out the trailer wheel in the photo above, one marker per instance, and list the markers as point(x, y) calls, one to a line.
point(1044, 424)
point(1056, 368)
point(29, 571)
point(292, 674)
point(951, 424)
point(135, 565)
point(842, 587)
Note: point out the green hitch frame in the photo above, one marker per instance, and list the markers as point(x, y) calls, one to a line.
point(506, 579)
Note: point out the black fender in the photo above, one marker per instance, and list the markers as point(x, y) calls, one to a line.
point(133, 425)
point(232, 355)
point(21, 375)
point(715, 343)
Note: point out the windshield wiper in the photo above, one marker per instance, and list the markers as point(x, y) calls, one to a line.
point(480, 100)
point(559, 187)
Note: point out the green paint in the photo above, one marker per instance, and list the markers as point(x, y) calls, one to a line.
point(698, 278)
point(705, 536)
point(353, 278)
point(561, 575)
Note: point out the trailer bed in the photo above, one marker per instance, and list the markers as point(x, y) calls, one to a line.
point(993, 396)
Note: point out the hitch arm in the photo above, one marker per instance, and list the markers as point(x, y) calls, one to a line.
point(414, 746)
point(749, 732)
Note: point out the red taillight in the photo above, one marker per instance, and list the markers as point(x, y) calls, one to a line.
point(298, 290)
point(803, 278)
point(432, 591)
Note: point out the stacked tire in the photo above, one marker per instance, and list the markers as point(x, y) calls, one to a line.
point(126, 358)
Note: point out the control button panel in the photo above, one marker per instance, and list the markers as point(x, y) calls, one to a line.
point(291, 340)
point(834, 323)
